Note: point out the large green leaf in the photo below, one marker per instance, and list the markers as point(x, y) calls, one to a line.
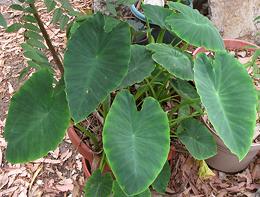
point(94, 65)
point(118, 192)
point(229, 96)
point(37, 119)
point(185, 89)
point(141, 65)
point(161, 182)
point(136, 142)
point(157, 14)
point(175, 61)
point(98, 185)
point(197, 139)
point(194, 28)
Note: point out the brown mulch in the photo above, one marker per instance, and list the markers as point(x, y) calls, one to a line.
point(185, 180)
point(60, 172)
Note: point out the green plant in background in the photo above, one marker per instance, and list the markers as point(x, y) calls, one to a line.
point(112, 5)
point(130, 85)
point(2, 21)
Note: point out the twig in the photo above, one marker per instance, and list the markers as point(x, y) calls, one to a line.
point(47, 39)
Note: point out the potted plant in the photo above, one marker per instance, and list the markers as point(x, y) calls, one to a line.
point(144, 94)
point(138, 14)
point(162, 11)
point(224, 160)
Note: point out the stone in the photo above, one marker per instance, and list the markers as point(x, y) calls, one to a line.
point(235, 18)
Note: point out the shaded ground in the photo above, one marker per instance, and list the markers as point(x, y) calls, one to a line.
point(60, 173)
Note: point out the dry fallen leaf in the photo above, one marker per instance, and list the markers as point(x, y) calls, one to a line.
point(3, 180)
point(1, 157)
point(204, 171)
point(8, 191)
point(256, 173)
point(42, 160)
point(64, 188)
point(35, 176)
point(10, 88)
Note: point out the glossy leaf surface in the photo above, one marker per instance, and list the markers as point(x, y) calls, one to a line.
point(194, 28)
point(136, 142)
point(185, 89)
point(197, 139)
point(161, 182)
point(37, 119)
point(98, 185)
point(229, 96)
point(175, 61)
point(94, 65)
point(140, 66)
point(118, 192)
point(157, 14)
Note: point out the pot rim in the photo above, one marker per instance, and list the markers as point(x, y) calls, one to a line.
point(227, 43)
point(88, 154)
point(254, 146)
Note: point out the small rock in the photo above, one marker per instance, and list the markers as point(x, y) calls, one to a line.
point(244, 60)
point(242, 53)
point(222, 175)
point(39, 182)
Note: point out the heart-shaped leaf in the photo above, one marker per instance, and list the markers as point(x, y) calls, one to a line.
point(93, 64)
point(175, 61)
point(161, 182)
point(118, 192)
point(37, 119)
point(229, 96)
point(194, 28)
point(98, 185)
point(136, 142)
point(141, 65)
point(197, 139)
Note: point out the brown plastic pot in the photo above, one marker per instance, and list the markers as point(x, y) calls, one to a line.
point(231, 44)
point(90, 159)
point(224, 160)
point(89, 156)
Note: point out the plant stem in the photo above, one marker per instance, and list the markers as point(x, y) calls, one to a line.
point(86, 132)
point(160, 36)
point(185, 46)
point(178, 120)
point(47, 39)
point(106, 106)
point(102, 162)
point(151, 88)
point(169, 98)
point(157, 75)
point(149, 32)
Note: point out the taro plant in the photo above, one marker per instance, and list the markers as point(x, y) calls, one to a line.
point(131, 87)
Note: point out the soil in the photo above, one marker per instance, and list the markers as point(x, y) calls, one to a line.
point(60, 172)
